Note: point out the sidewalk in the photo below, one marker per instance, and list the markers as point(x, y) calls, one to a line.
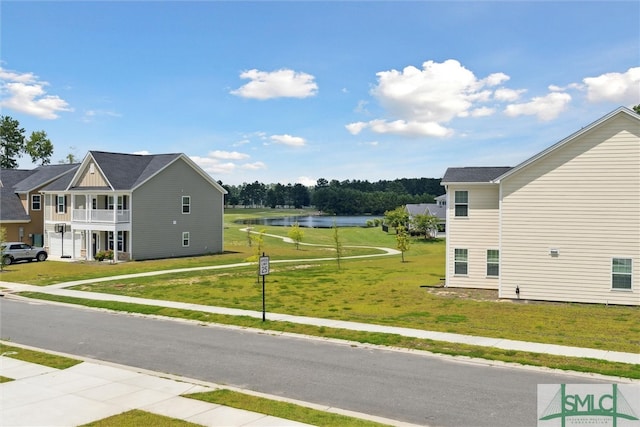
point(94, 390)
point(89, 392)
point(505, 344)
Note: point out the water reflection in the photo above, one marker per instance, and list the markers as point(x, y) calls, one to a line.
point(314, 221)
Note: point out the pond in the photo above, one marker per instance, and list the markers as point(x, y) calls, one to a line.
point(314, 221)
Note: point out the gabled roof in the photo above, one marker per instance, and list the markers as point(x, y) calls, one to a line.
point(126, 172)
point(473, 174)
point(619, 111)
point(416, 208)
point(43, 175)
point(22, 181)
point(11, 208)
point(426, 209)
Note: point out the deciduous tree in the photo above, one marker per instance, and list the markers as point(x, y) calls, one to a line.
point(296, 234)
point(402, 240)
point(426, 224)
point(398, 217)
point(14, 144)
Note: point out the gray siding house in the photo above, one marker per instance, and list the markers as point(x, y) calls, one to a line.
point(138, 206)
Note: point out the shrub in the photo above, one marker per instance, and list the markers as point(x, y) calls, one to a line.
point(102, 255)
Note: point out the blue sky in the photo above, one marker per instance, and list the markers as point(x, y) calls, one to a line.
point(299, 90)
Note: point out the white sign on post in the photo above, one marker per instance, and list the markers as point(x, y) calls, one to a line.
point(264, 265)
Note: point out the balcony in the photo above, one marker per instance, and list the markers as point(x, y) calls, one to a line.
point(101, 216)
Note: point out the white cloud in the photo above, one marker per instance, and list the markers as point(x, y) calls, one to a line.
point(483, 112)
point(220, 162)
point(545, 108)
point(228, 155)
point(142, 153)
point(623, 88)
point(508, 95)
point(283, 83)
point(23, 92)
point(420, 102)
point(413, 128)
point(495, 79)
point(293, 141)
point(306, 181)
point(254, 166)
point(356, 128)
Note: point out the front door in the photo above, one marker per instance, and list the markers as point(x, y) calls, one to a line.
point(95, 243)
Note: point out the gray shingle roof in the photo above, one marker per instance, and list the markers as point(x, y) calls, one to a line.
point(11, 208)
point(126, 171)
point(474, 174)
point(43, 174)
point(15, 181)
point(426, 209)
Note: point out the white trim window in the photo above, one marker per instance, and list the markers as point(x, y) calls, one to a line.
point(493, 263)
point(186, 204)
point(461, 205)
point(36, 202)
point(461, 262)
point(186, 238)
point(120, 240)
point(621, 272)
point(61, 204)
point(120, 201)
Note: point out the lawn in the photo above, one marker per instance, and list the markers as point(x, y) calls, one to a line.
point(381, 290)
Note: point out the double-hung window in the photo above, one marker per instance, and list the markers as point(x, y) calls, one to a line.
point(621, 273)
point(120, 201)
point(185, 239)
point(36, 202)
point(493, 263)
point(461, 203)
point(61, 204)
point(461, 261)
point(186, 204)
point(110, 243)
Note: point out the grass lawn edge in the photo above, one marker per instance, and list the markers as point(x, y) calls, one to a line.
point(388, 341)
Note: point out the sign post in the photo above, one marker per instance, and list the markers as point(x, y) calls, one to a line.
point(263, 271)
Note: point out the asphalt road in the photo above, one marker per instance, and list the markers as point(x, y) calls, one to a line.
point(404, 386)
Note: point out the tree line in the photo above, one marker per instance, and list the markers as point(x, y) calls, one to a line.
point(350, 197)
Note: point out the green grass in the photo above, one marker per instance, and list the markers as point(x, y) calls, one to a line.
point(38, 357)
point(284, 410)
point(390, 340)
point(380, 290)
point(138, 418)
point(387, 292)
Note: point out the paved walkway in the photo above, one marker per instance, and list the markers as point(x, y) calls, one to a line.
point(505, 344)
point(93, 390)
point(87, 392)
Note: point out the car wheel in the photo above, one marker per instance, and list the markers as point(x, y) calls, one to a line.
point(7, 260)
point(41, 256)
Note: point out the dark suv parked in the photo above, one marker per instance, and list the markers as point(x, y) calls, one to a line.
point(16, 251)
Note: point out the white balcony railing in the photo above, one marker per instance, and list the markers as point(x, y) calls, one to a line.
point(103, 216)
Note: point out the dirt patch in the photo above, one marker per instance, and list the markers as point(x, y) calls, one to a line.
point(468, 294)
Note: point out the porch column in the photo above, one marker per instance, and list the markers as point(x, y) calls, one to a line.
point(115, 241)
point(89, 243)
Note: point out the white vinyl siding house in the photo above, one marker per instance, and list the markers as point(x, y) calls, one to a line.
point(567, 220)
point(556, 203)
point(473, 228)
